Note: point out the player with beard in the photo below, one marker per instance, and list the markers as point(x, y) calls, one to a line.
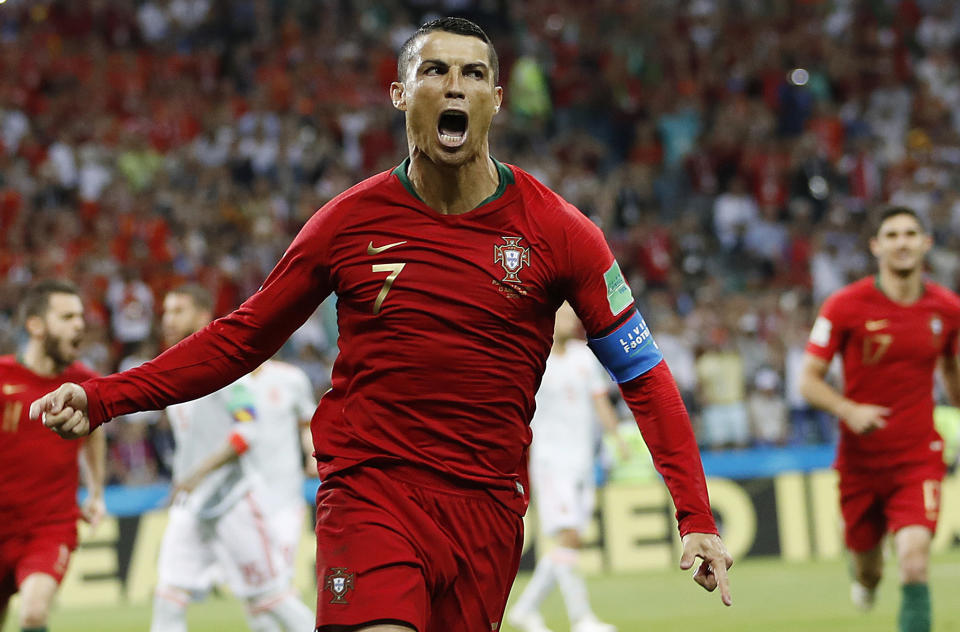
point(892, 332)
point(448, 271)
point(38, 472)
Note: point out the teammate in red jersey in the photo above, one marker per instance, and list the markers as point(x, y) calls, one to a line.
point(892, 332)
point(39, 472)
point(448, 271)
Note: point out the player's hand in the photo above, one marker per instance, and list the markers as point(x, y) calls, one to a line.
point(187, 485)
point(712, 571)
point(865, 418)
point(93, 509)
point(64, 411)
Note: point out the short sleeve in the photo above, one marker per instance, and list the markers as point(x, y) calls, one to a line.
point(828, 331)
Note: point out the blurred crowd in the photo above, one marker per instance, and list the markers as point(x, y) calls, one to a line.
point(733, 151)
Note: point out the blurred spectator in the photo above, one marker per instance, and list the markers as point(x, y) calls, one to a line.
point(722, 395)
point(733, 211)
point(767, 409)
point(732, 152)
point(131, 311)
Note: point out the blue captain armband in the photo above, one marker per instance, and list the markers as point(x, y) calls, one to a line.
point(629, 351)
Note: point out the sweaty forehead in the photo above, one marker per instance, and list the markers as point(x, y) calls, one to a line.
point(451, 48)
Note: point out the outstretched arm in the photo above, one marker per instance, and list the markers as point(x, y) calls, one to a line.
point(655, 401)
point(620, 339)
point(210, 359)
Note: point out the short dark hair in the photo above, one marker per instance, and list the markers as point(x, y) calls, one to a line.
point(893, 211)
point(201, 296)
point(459, 26)
point(36, 299)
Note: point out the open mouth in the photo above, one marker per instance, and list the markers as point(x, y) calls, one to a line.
point(452, 128)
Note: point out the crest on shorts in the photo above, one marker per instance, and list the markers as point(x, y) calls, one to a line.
point(338, 581)
point(511, 256)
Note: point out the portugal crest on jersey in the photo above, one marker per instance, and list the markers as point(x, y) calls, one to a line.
point(936, 325)
point(512, 256)
point(338, 581)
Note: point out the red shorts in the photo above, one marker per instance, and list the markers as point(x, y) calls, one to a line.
point(400, 544)
point(873, 503)
point(44, 549)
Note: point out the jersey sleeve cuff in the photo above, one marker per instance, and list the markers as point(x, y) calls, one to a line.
point(697, 524)
point(96, 409)
point(819, 352)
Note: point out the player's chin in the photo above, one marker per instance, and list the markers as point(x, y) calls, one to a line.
point(452, 157)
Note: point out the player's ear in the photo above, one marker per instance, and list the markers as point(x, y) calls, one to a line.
point(398, 96)
point(34, 326)
point(497, 98)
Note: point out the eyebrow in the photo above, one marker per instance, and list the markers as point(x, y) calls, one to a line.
point(471, 65)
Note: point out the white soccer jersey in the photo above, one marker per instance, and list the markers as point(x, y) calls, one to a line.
point(283, 397)
point(200, 428)
point(564, 423)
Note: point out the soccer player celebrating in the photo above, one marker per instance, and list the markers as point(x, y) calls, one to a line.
point(39, 477)
point(448, 271)
point(891, 331)
point(218, 518)
point(572, 392)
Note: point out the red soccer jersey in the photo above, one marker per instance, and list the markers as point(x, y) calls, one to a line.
point(889, 356)
point(445, 324)
point(38, 469)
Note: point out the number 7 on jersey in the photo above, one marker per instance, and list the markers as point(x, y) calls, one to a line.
point(394, 269)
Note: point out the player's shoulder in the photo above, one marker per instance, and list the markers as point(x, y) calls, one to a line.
point(943, 296)
point(9, 365)
point(862, 288)
point(849, 295)
point(367, 192)
point(542, 199)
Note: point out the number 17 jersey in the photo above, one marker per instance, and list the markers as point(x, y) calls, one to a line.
point(889, 354)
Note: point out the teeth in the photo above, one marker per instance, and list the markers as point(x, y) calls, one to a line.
point(447, 138)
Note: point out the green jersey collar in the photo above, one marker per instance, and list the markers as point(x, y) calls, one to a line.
point(503, 172)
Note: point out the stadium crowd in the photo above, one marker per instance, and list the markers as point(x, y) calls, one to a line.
point(731, 150)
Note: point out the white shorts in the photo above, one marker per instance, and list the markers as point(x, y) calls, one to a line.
point(287, 524)
point(238, 546)
point(564, 499)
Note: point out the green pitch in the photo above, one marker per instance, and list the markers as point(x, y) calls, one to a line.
point(767, 595)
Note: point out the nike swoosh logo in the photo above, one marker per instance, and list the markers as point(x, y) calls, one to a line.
point(874, 325)
point(10, 389)
point(375, 250)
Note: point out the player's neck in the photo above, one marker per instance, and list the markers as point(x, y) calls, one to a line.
point(901, 289)
point(39, 362)
point(453, 190)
